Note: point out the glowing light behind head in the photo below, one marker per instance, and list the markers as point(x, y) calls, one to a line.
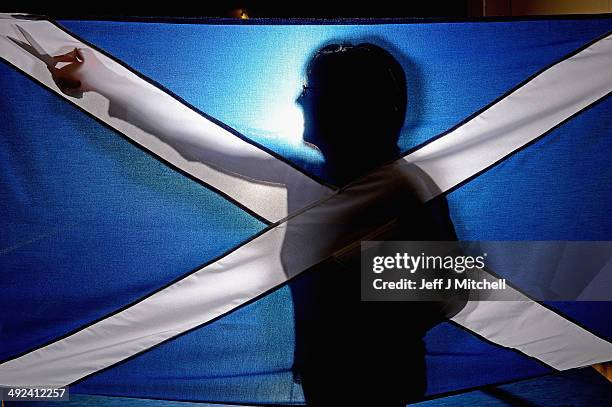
point(275, 115)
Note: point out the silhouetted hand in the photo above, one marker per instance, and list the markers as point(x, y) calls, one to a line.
point(80, 73)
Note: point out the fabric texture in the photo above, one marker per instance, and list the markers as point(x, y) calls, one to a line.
point(72, 186)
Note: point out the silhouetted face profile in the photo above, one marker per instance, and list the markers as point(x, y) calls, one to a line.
point(354, 104)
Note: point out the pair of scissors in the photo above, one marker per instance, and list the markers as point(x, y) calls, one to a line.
point(32, 47)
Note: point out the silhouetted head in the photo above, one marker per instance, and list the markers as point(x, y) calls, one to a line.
point(354, 103)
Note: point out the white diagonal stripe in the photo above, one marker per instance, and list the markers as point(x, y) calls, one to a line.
point(262, 264)
point(535, 331)
point(542, 103)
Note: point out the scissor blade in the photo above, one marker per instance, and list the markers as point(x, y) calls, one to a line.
point(34, 47)
point(26, 47)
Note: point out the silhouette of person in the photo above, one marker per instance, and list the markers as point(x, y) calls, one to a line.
point(349, 351)
point(354, 104)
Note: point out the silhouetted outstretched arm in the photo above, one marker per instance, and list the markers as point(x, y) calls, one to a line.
point(190, 134)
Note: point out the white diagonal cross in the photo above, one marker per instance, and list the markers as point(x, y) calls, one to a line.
point(260, 265)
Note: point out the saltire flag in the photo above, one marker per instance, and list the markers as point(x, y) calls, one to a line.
point(131, 269)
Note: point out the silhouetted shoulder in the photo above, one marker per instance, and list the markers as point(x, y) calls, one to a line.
point(399, 179)
point(402, 190)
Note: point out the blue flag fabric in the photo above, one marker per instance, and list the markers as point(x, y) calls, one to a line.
point(91, 222)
